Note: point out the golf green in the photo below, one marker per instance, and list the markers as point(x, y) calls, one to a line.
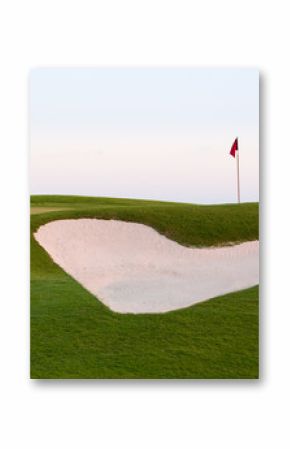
point(73, 335)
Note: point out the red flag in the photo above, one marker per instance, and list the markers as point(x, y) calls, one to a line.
point(234, 148)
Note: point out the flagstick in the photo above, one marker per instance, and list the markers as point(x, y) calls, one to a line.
point(238, 175)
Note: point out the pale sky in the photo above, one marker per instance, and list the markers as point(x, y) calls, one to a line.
point(154, 133)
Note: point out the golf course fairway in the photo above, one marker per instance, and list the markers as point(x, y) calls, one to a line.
point(75, 336)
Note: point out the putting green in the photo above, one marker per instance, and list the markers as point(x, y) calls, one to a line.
point(73, 335)
point(43, 210)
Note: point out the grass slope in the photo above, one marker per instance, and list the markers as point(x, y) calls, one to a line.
point(73, 335)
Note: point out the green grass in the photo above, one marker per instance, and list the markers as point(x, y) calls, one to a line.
point(73, 335)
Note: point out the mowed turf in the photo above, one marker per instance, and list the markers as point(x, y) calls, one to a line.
point(73, 335)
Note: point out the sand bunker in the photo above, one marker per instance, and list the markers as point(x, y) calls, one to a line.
point(133, 269)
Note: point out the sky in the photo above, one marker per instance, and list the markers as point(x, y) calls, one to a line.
point(152, 133)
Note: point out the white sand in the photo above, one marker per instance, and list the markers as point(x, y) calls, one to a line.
point(133, 269)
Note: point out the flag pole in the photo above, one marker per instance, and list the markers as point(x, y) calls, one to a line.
point(235, 152)
point(238, 175)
